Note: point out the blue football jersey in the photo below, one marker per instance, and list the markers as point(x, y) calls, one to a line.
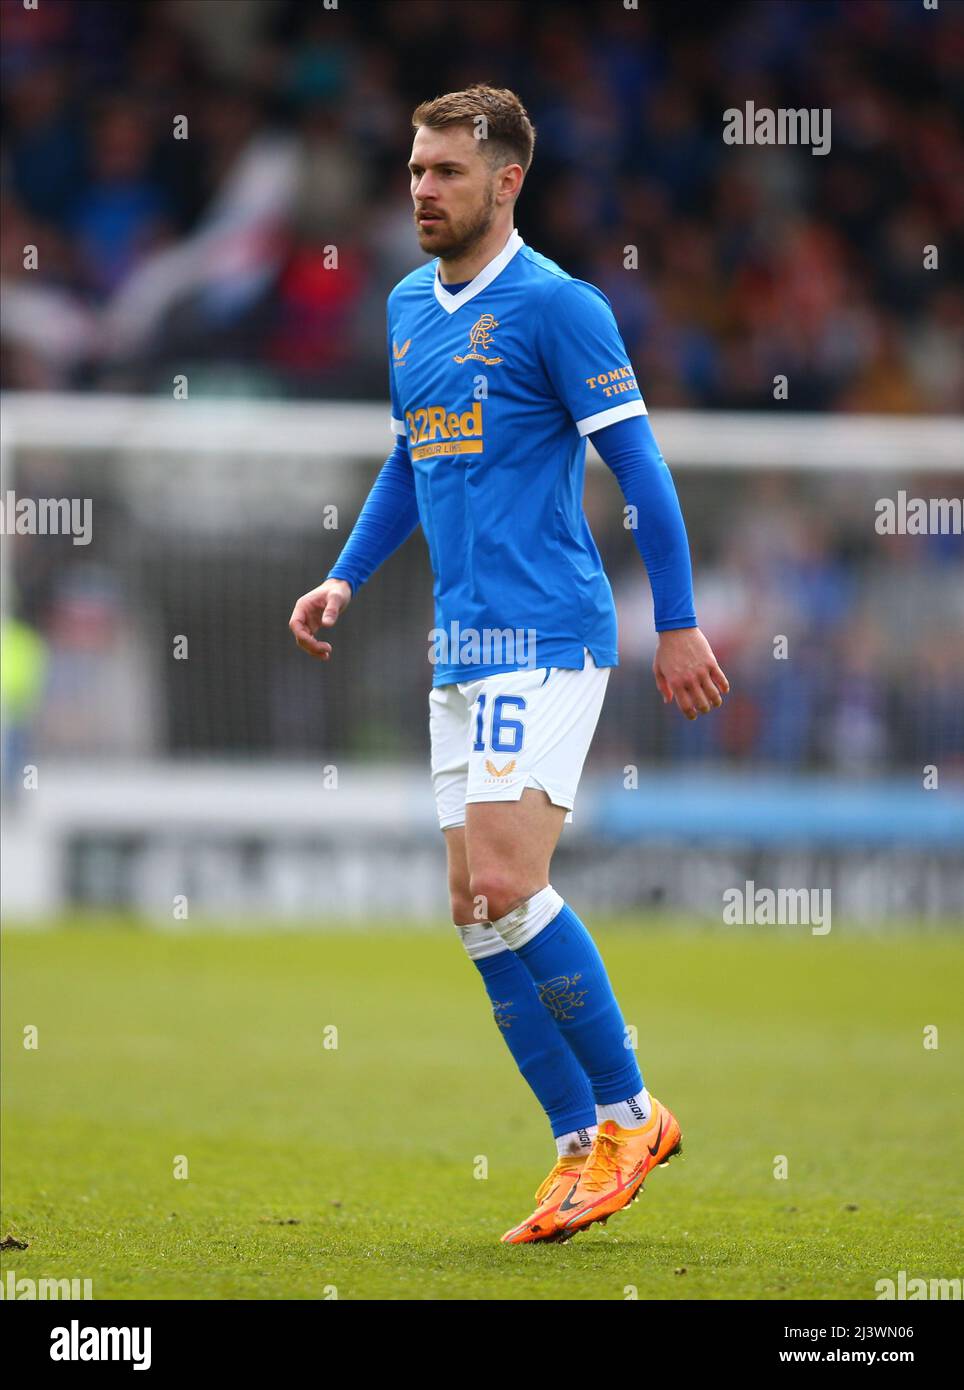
point(495, 389)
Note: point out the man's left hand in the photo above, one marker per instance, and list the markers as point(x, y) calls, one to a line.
point(687, 671)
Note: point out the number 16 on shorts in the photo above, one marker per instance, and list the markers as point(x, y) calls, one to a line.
point(505, 735)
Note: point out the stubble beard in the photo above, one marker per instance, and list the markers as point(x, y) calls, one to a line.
point(464, 239)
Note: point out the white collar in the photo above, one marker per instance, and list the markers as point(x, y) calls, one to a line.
point(451, 302)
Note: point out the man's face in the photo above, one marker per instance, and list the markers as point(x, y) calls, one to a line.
point(453, 189)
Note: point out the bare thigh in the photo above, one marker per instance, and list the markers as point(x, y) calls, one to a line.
point(508, 847)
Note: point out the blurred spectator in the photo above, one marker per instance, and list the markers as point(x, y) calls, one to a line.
point(23, 668)
point(121, 214)
point(754, 262)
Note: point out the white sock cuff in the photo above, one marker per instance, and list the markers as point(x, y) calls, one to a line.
point(481, 939)
point(528, 919)
point(577, 1141)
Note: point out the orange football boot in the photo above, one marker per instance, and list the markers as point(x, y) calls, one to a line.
point(616, 1168)
point(541, 1224)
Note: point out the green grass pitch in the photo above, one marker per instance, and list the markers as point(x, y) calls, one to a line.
point(351, 1171)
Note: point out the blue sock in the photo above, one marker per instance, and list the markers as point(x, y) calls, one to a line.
point(540, 1051)
point(571, 981)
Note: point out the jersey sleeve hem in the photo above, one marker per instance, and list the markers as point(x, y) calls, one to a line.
point(589, 423)
point(398, 426)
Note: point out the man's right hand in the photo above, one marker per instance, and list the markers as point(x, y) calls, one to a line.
point(319, 608)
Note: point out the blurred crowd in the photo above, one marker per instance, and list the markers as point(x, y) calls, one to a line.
point(185, 167)
point(843, 647)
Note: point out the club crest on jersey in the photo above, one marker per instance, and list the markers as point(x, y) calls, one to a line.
point(480, 336)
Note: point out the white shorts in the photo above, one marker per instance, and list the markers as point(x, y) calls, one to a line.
point(495, 735)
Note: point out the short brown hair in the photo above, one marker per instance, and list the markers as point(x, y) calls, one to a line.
point(510, 135)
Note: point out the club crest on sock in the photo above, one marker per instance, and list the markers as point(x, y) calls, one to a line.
point(503, 1019)
point(559, 996)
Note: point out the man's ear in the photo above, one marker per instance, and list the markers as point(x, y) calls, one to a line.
point(511, 180)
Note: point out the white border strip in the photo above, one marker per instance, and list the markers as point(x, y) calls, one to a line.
point(347, 431)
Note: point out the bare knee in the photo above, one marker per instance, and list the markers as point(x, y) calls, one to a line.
point(495, 892)
point(464, 909)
